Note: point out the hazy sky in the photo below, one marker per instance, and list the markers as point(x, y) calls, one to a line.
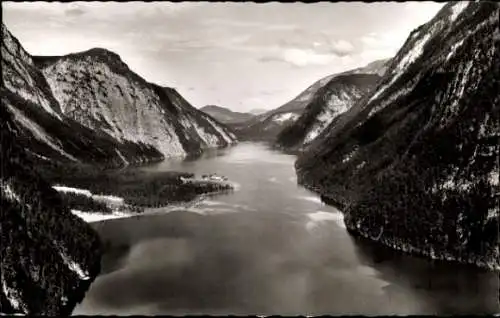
point(238, 55)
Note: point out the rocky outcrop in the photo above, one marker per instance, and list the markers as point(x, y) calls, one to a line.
point(313, 108)
point(97, 89)
point(90, 107)
point(43, 130)
point(330, 101)
point(48, 256)
point(266, 126)
point(415, 163)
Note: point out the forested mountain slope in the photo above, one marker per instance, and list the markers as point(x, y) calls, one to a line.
point(330, 101)
point(415, 164)
point(325, 94)
point(48, 256)
point(90, 107)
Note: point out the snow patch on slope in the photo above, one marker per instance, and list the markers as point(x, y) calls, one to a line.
point(462, 85)
point(90, 217)
point(493, 178)
point(404, 62)
point(280, 118)
point(338, 103)
point(457, 9)
point(313, 133)
point(8, 192)
point(395, 95)
point(454, 48)
point(13, 297)
point(64, 189)
point(110, 200)
point(73, 266)
point(452, 184)
point(350, 155)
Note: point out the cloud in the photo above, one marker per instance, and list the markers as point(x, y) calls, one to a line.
point(271, 92)
point(266, 59)
point(388, 42)
point(254, 47)
point(281, 27)
point(342, 47)
point(228, 23)
point(370, 40)
point(74, 12)
point(254, 100)
point(300, 57)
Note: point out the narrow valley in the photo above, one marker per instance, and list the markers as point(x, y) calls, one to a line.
point(163, 158)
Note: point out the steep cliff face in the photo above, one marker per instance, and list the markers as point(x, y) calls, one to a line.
point(266, 126)
point(48, 257)
point(97, 89)
point(21, 77)
point(313, 108)
point(90, 108)
point(333, 99)
point(44, 131)
point(415, 164)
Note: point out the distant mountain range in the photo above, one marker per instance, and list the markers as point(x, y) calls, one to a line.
point(268, 125)
point(331, 100)
point(90, 107)
point(414, 164)
point(257, 111)
point(225, 115)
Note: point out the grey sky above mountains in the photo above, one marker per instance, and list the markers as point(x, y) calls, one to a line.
point(237, 55)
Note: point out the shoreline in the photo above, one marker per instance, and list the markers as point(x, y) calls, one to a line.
point(95, 217)
point(405, 248)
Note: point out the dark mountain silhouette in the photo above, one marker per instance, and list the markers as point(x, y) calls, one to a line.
point(414, 165)
point(73, 114)
point(48, 256)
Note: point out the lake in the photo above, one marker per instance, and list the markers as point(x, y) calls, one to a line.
point(269, 247)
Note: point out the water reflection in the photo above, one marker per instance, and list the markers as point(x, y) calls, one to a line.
point(446, 287)
point(270, 248)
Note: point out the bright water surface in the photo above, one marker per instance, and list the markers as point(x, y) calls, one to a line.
point(271, 247)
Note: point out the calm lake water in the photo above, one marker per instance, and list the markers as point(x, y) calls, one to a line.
point(270, 247)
